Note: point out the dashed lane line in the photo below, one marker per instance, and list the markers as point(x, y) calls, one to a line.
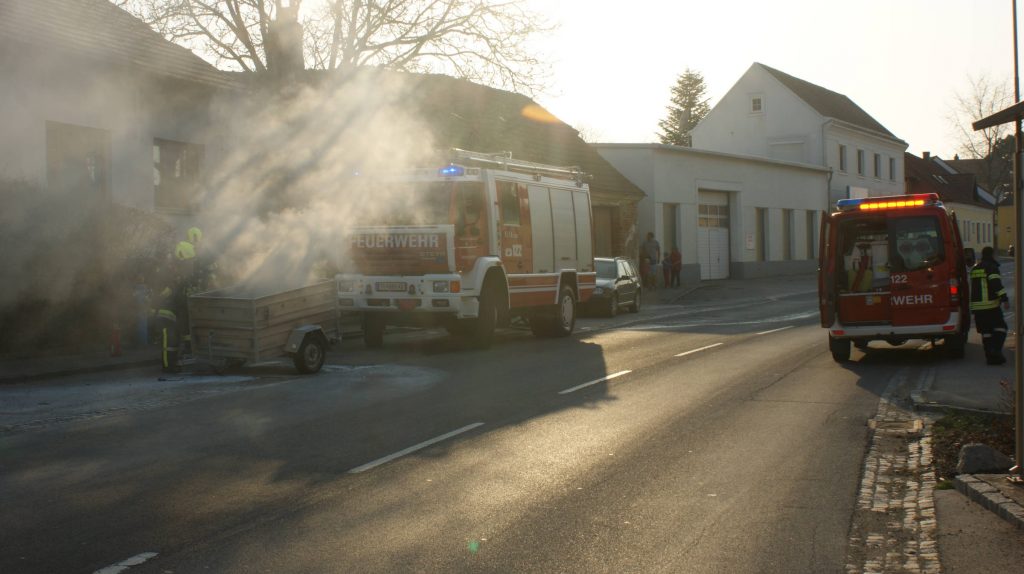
point(126, 564)
point(594, 382)
point(413, 448)
point(775, 330)
point(704, 348)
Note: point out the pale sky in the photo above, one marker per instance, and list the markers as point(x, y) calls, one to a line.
point(902, 61)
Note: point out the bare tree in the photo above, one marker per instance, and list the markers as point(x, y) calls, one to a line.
point(983, 98)
point(482, 40)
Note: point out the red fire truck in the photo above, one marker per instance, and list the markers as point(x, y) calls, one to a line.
point(470, 246)
point(892, 269)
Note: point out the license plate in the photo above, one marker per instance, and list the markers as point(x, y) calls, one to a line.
point(391, 286)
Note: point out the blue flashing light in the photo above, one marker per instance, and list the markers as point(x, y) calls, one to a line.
point(452, 170)
point(847, 204)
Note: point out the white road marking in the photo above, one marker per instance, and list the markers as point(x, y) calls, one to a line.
point(775, 330)
point(698, 350)
point(594, 382)
point(413, 448)
point(126, 564)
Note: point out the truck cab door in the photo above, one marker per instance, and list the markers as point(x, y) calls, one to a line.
point(471, 227)
point(516, 249)
point(826, 272)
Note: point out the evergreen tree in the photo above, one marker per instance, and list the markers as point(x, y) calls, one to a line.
point(689, 105)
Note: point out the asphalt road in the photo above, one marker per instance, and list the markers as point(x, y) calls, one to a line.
point(717, 436)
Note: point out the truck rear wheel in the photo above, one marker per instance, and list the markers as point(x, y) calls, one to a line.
point(954, 345)
point(311, 355)
point(565, 321)
point(373, 331)
point(840, 349)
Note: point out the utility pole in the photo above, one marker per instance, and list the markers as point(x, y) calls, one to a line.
point(1018, 275)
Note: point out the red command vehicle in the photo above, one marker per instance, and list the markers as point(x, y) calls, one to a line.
point(892, 269)
point(470, 246)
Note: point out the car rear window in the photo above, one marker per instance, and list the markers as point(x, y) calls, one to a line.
point(606, 269)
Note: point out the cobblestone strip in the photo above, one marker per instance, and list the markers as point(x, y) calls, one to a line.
point(893, 528)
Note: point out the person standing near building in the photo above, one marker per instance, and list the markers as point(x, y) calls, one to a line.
point(988, 299)
point(677, 265)
point(651, 249)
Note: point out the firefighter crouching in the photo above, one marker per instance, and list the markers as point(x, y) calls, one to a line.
point(988, 297)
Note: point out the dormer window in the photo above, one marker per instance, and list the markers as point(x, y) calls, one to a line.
point(756, 104)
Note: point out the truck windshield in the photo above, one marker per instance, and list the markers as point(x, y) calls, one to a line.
point(414, 203)
point(874, 248)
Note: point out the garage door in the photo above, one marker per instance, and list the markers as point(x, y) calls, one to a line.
point(713, 235)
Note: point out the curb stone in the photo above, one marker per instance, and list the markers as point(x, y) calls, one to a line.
point(989, 497)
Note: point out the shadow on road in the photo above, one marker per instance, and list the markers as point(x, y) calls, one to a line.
point(200, 470)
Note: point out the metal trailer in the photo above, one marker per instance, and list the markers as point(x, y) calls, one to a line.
point(241, 324)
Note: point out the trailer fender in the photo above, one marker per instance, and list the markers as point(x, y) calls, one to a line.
point(299, 334)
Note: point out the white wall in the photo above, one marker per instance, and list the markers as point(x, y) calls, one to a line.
point(785, 124)
point(976, 227)
point(836, 135)
point(670, 174)
point(789, 129)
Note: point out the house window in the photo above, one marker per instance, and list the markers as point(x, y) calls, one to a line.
point(878, 166)
point(892, 169)
point(176, 168)
point(842, 158)
point(756, 104)
point(860, 162)
point(78, 162)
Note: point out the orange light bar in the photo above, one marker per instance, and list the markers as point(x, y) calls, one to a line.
point(892, 204)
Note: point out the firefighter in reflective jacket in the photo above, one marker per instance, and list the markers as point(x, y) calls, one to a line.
point(988, 297)
point(178, 282)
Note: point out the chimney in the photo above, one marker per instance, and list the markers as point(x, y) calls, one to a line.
point(926, 154)
point(284, 43)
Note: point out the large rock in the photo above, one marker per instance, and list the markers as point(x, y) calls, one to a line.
point(978, 458)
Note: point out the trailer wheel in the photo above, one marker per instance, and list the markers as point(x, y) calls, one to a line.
point(373, 331)
point(311, 355)
point(840, 349)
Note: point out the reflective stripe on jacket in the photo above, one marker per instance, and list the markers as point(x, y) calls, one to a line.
point(986, 286)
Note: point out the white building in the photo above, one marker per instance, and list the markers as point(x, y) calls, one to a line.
point(771, 114)
point(730, 215)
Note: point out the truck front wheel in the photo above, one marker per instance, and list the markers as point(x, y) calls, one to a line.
point(840, 349)
point(487, 320)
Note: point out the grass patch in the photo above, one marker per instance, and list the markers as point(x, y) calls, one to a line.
point(959, 428)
